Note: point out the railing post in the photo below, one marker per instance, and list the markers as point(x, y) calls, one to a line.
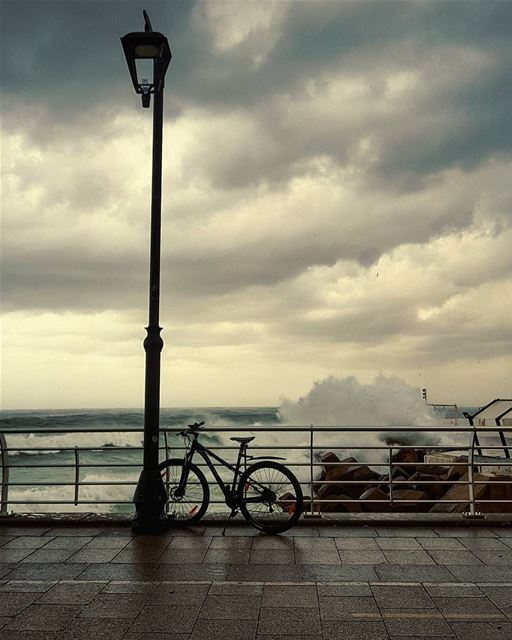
point(390, 474)
point(4, 495)
point(311, 437)
point(167, 472)
point(473, 513)
point(77, 475)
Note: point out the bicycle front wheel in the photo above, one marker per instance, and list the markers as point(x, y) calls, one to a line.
point(189, 508)
point(270, 497)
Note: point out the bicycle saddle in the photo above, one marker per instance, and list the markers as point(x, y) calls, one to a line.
point(243, 440)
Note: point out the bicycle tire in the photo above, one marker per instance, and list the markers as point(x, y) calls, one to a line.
point(265, 474)
point(195, 507)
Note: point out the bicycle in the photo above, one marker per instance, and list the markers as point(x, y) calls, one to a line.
point(267, 494)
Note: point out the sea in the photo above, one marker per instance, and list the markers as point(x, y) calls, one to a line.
point(43, 480)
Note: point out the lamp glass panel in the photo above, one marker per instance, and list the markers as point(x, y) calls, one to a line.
point(144, 70)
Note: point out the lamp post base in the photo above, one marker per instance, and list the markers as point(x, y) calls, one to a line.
point(150, 498)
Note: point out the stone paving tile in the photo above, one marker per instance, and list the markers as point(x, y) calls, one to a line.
point(446, 544)
point(58, 571)
point(356, 544)
point(224, 630)
point(196, 530)
point(317, 556)
point(135, 572)
point(91, 555)
point(6, 569)
point(27, 586)
point(236, 589)
point(67, 592)
point(272, 556)
point(179, 594)
point(14, 531)
point(115, 605)
point(5, 539)
point(360, 630)
point(346, 532)
point(11, 604)
point(182, 556)
point(264, 573)
point(465, 532)
point(405, 557)
point(125, 586)
point(13, 555)
point(200, 572)
point(242, 531)
point(81, 531)
point(348, 608)
point(48, 556)
point(452, 557)
point(142, 555)
point(91, 629)
point(227, 556)
point(410, 544)
point(404, 623)
point(300, 531)
point(364, 556)
point(418, 573)
point(459, 608)
point(68, 542)
point(480, 543)
point(497, 630)
point(274, 542)
point(406, 532)
point(149, 542)
point(28, 635)
point(287, 621)
point(195, 542)
point(480, 574)
point(504, 531)
point(402, 597)
point(221, 607)
point(108, 542)
point(302, 596)
point(453, 590)
point(161, 619)
point(26, 542)
point(334, 573)
point(315, 544)
point(219, 542)
point(494, 557)
point(142, 635)
point(344, 589)
point(44, 617)
point(500, 596)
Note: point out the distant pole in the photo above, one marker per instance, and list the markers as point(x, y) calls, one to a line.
point(150, 495)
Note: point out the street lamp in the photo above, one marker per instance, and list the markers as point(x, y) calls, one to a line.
point(142, 49)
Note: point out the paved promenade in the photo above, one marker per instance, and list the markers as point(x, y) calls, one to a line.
point(354, 582)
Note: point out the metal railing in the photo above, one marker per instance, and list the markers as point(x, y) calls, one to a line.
point(17, 465)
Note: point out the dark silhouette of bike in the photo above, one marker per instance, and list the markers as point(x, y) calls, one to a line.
point(266, 493)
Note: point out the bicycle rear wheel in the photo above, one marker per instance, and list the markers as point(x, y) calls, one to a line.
point(270, 497)
point(189, 508)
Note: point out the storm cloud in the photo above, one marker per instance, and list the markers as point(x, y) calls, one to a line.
point(337, 194)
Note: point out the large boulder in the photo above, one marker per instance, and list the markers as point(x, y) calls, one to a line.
point(456, 499)
point(430, 484)
point(375, 493)
point(418, 498)
point(340, 503)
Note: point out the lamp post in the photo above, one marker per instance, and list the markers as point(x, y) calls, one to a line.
point(151, 50)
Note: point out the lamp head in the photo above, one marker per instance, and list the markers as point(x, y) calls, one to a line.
point(147, 46)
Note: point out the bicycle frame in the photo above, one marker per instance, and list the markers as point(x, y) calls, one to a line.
point(205, 453)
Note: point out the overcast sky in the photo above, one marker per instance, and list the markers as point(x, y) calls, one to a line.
point(337, 200)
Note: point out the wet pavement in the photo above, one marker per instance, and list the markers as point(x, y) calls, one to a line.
point(317, 581)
